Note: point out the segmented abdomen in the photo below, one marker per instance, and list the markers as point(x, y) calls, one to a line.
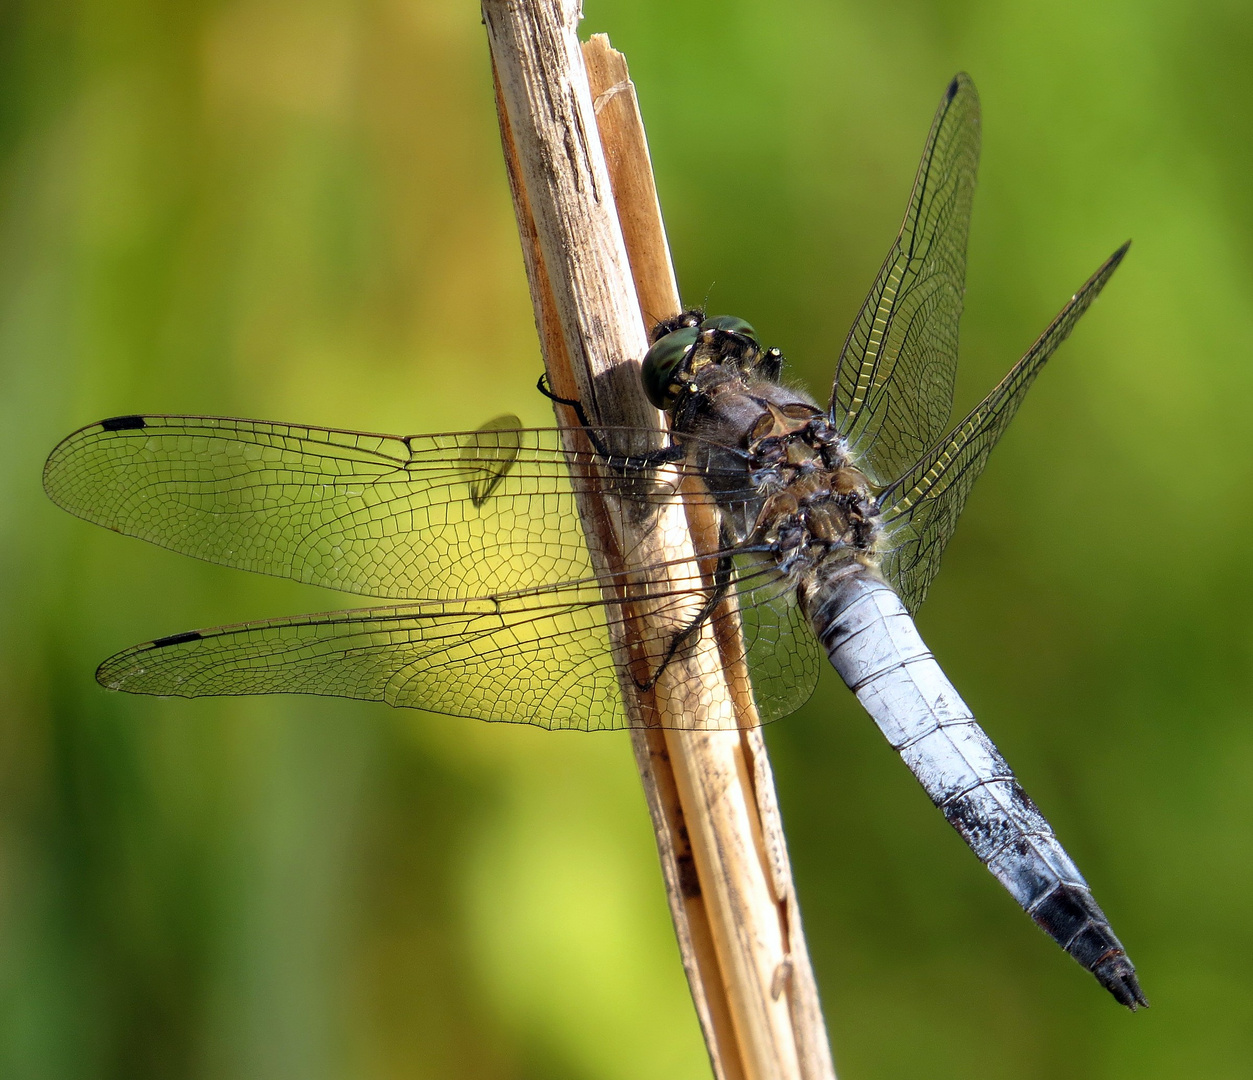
point(874, 645)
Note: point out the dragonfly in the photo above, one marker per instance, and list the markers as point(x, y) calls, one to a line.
point(830, 523)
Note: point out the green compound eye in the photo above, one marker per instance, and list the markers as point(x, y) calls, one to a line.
point(731, 325)
point(662, 363)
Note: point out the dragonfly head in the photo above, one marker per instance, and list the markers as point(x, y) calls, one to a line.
point(677, 345)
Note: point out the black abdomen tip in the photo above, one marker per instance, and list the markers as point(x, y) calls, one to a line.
point(1072, 918)
point(1118, 975)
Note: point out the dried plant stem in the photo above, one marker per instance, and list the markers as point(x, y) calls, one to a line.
point(598, 267)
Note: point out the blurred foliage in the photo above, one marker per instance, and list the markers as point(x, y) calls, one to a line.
point(295, 209)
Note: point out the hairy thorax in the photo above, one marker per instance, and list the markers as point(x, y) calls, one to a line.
point(812, 508)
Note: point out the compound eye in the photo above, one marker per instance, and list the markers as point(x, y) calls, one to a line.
point(663, 362)
point(731, 325)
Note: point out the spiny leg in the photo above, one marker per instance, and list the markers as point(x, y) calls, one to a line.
point(722, 585)
point(619, 462)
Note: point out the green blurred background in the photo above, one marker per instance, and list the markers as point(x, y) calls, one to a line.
point(296, 209)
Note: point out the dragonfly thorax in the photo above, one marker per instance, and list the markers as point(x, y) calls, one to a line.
point(819, 516)
point(811, 503)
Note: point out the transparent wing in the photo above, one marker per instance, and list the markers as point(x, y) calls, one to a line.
point(893, 391)
point(424, 517)
point(546, 663)
point(920, 510)
point(541, 657)
point(480, 528)
point(783, 655)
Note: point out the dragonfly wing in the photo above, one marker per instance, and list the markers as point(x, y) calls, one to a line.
point(541, 658)
point(920, 510)
point(426, 516)
point(546, 663)
point(893, 392)
point(436, 516)
point(782, 653)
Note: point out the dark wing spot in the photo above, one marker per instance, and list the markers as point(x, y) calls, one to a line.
point(123, 423)
point(952, 89)
point(177, 639)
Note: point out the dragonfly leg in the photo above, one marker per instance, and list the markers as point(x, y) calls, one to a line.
point(722, 585)
point(619, 462)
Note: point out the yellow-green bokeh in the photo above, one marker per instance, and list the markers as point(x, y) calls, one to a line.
point(296, 210)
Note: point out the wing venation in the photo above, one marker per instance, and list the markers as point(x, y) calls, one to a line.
point(920, 510)
point(424, 517)
point(893, 391)
point(543, 658)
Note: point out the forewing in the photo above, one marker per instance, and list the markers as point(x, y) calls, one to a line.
point(893, 392)
point(920, 510)
point(423, 517)
point(429, 517)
